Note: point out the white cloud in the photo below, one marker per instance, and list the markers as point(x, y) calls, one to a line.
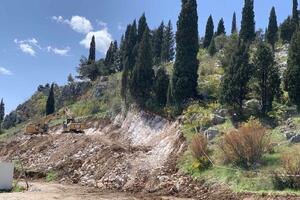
point(102, 38)
point(101, 23)
point(57, 51)
point(28, 46)
point(5, 71)
point(121, 27)
point(77, 23)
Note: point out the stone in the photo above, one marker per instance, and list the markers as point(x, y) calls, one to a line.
point(295, 139)
point(218, 120)
point(211, 133)
point(252, 107)
point(289, 134)
point(221, 112)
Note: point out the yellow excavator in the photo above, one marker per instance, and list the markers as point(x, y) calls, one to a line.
point(42, 126)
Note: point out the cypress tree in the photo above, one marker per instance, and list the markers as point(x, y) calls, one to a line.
point(143, 73)
point(247, 32)
point(92, 55)
point(160, 87)
point(142, 26)
point(286, 30)
point(167, 52)
point(121, 53)
point(212, 48)
point(295, 15)
point(209, 32)
point(267, 75)
point(2, 113)
point(109, 58)
point(233, 25)
point(236, 78)
point(50, 105)
point(158, 41)
point(185, 74)
point(221, 28)
point(70, 78)
point(292, 80)
point(272, 28)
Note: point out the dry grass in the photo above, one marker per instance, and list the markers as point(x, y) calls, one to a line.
point(246, 145)
point(200, 151)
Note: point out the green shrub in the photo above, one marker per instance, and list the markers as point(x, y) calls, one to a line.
point(51, 176)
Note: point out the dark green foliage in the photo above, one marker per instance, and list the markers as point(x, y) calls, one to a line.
point(143, 74)
point(112, 57)
point(158, 42)
point(292, 80)
point(247, 32)
point(295, 16)
point(142, 26)
point(2, 113)
point(272, 28)
point(233, 25)
point(209, 32)
point(50, 105)
point(70, 78)
point(212, 48)
point(229, 49)
point(168, 52)
point(121, 53)
point(267, 75)
point(221, 28)
point(92, 55)
point(237, 76)
point(185, 74)
point(160, 87)
point(87, 70)
point(286, 30)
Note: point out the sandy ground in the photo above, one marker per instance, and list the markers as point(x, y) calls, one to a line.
point(55, 191)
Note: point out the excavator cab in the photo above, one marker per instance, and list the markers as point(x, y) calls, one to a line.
point(71, 126)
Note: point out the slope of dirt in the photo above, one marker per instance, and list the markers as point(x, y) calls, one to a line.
point(133, 154)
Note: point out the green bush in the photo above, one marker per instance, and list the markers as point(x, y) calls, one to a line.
point(51, 176)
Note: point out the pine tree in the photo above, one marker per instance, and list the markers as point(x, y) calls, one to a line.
point(109, 58)
point(247, 32)
point(209, 32)
point(92, 55)
point(143, 73)
point(267, 75)
point(292, 81)
point(142, 26)
point(212, 48)
point(121, 53)
point(50, 105)
point(221, 28)
point(2, 114)
point(185, 74)
point(237, 76)
point(233, 25)
point(272, 28)
point(167, 52)
point(160, 88)
point(158, 41)
point(112, 57)
point(286, 30)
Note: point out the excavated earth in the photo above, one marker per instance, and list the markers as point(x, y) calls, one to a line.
point(136, 154)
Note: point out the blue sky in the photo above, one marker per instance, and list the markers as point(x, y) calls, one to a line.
point(41, 41)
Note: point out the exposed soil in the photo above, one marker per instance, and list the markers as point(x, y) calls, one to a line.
point(134, 155)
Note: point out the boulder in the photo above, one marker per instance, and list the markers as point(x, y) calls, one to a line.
point(221, 112)
point(289, 134)
point(217, 119)
point(295, 139)
point(211, 133)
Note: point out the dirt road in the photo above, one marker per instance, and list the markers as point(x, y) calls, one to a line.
point(54, 191)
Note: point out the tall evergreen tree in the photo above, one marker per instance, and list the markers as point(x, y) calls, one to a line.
point(233, 25)
point(142, 26)
point(2, 114)
point(247, 32)
point(295, 15)
point(292, 80)
point(92, 55)
point(158, 41)
point(272, 32)
point(160, 87)
point(143, 73)
point(221, 28)
point(212, 50)
point(112, 57)
point(185, 74)
point(286, 30)
point(121, 52)
point(50, 105)
point(167, 52)
point(267, 75)
point(237, 76)
point(209, 32)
